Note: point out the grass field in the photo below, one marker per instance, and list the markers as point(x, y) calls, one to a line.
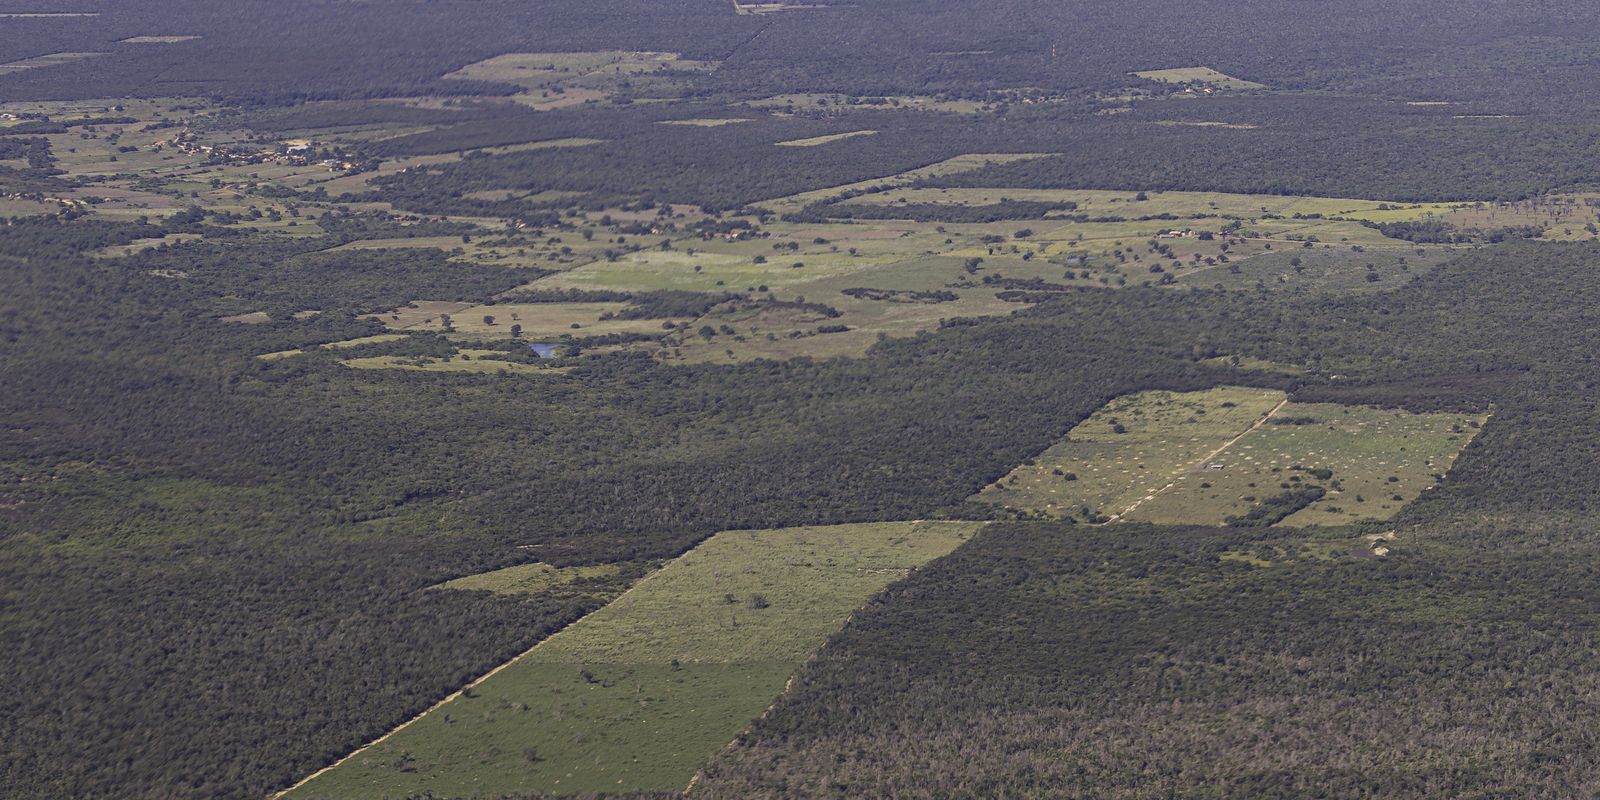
point(1163, 435)
point(1199, 458)
point(950, 166)
point(558, 80)
point(821, 140)
point(346, 344)
point(158, 39)
point(1381, 459)
point(543, 320)
point(43, 61)
point(527, 578)
point(1198, 76)
point(1323, 270)
point(638, 695)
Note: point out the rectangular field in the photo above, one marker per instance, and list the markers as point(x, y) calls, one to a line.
point(635, 697)
point(1214, 457)
point(1200, 76)
point(821, 140)
point(1132, 448)
point(1371, 462)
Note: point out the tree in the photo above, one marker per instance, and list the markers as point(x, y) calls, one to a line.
point(516, 331)
point(488, 319)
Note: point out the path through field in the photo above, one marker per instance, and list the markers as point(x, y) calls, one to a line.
point(1209, 456)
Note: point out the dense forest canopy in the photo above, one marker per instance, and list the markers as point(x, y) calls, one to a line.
point(308, 308)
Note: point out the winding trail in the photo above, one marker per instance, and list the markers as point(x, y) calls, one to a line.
point(1176, 476)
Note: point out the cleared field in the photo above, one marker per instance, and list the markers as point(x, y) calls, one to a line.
point(1129, 449)
point(26, 208)
point(346, 344)
point(558, 80)
point(1200, 76)
point(543, 320)
point(527, 578)
point(950, 166)
point(1340, 270)
point(1127, 203)
point(44, 61)
point(815, 141)
point(420, 312)
point(158, 39)
point(638, 695)
point(1380, 459)
point(735, 270)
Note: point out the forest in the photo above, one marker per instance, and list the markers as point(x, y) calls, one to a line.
point(243, 438)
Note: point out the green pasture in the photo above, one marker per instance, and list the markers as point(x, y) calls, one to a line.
point(636, 696)
point(1163, 436)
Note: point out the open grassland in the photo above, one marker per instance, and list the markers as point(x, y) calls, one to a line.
point(344, 345)
point(829, 139)
point(558, 80)
point(44, 61)
point(731, 267)
point(542, 320)
point(173, 39)
point(950, 166)
point(1379, 459)
point(1202, 458)
point(1198, 76)
point(1323, 270)
point(638, 695)
point(527, 578)
point(1132, 448)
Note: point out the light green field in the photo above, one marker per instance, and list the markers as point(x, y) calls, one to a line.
point(1166, 435)
point(821, 140)
point(527, 578)
point(44, 61)
point(638, 695)
point(1381, 459)
point(950, 166)
point(1125, 203)
point(706, 271)
point(1338, 270)
point(543, 320)
point(348, 343)
point(558, 80)
point(1200, 76)
point(158, 39)
point(26, 208)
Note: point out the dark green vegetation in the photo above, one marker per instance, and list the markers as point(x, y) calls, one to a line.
point(215, 568)
point(1138, 662)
